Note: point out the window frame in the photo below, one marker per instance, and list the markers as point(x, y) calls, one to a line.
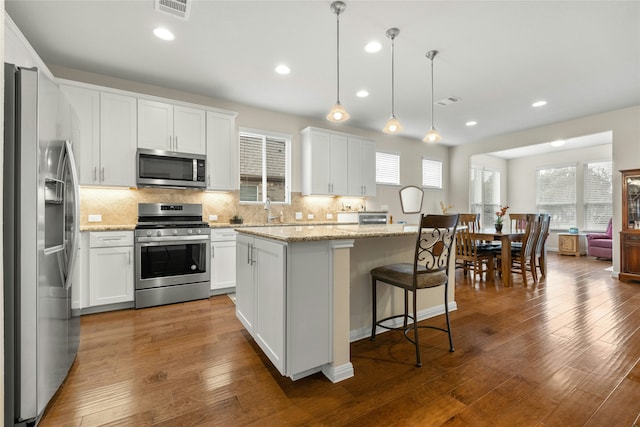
point(554, 222)
point(287, 138)
point(586, 222)
point(485, 209)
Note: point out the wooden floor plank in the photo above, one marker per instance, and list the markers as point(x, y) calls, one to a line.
point(562, 351)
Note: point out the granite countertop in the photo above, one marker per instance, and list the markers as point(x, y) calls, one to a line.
point(104, 227)
point(306, 233)
point(131, 227)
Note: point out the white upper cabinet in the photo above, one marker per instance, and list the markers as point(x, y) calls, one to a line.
point(222, 151)
point(107, 129)
point(164, 126)
point(362, 167)
point(337, 164)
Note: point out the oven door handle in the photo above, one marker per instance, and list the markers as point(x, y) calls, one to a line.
point(172, 239)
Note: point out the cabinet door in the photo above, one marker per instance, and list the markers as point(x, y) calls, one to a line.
point(111, 275)
point(316, 164)
point(369, 168)
point(245, 286)
point(270, 297)
point(155, 125)
point(117, 140)
point(222, 152)
point(86, 104)
point(189, 130)
point(339, 152)
point(223, 262)
point(355, 167)
point(630, 254)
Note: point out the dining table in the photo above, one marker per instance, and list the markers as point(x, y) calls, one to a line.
point(505, 237)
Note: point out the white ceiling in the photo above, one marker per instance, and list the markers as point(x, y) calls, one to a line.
point(583, 57)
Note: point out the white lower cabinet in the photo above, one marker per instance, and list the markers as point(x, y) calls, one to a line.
point(223, 260)
point(283, 298)
point(110, 267)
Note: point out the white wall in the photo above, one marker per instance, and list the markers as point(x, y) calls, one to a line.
point(258, 118)
point(624, 123)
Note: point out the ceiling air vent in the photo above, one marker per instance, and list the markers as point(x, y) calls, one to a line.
point(447, 101)
point(179, 8)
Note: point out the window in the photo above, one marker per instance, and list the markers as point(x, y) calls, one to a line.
point(387, 168)
point(485, 194)
point(598, 186)
point(431, 173)
point(264, 167)
point(556, 195)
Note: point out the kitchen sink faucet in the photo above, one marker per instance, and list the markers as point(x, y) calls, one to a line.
point(267, 207)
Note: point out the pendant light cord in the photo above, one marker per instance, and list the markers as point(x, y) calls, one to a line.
point(432, 93)
point(338, 56)
point(393, 90)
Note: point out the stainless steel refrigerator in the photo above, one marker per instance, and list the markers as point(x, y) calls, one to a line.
point(40, 238)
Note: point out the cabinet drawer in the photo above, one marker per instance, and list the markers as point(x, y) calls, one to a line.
point(631, 238)
point(103, 239)
point(223, 234)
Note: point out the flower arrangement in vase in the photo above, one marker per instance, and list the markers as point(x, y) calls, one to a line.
point(500, 217)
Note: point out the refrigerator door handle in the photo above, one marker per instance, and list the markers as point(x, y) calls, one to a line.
point(75, 214)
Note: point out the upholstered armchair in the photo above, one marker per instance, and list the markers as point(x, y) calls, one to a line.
point(600, 244)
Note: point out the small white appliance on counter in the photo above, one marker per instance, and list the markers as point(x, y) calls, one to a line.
point(363, 217)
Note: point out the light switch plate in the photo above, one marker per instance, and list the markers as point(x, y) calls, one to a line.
point(329, 216)
point(213, 217)
point(310, 216)
point(95, 218)
point(298, 215)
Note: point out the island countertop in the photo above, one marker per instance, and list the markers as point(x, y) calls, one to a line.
point(305, 233)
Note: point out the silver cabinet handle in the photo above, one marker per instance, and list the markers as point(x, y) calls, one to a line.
point(95, 173)
point(129, 257)
point(249, 253)
point(170, 142)
point(102, 175)
point(328, 188)
point(175, 139)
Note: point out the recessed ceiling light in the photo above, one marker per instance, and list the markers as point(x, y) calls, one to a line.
point(539, 103)
point(557, 143)
point(373, 47)
point(362, 93)
point(282, 69)
point(471, 123)
point(163, 34)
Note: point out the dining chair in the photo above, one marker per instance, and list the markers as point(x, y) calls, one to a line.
point(518, 222)
point(539, 260)
point(521, 256)
point(470, 255)
point(428, 270)
point(411, 198)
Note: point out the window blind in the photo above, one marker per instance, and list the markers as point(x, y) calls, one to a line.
point(598, 191)
point(387, 168)
point(431, 173)
point(556, 195)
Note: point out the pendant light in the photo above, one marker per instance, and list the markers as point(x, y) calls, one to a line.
point(432, 135)
point(338, 113)
point(393, 125)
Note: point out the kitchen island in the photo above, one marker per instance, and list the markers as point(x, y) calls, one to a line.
point(304, 292)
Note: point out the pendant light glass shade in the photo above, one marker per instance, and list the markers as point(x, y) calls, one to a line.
point(432, 135)
point(393, 125)
point(338, 113)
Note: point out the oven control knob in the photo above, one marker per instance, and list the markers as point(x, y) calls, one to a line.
point(189, 231)
point(175, 232)
point(199, 231)
point(158, 233)
point(148, 232)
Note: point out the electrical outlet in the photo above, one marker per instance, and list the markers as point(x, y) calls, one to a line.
point(213, 217)
point(298, 215)
point(309, 216)
point(95, 218)
point(329, 216)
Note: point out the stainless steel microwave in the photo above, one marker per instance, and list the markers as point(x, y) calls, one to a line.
point(158, 168)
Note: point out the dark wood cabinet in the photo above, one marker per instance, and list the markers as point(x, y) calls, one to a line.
point(630, 231)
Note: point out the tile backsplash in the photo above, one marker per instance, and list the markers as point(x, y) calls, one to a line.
point(120, 206)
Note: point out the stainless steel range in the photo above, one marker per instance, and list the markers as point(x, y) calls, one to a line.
point(172, 254)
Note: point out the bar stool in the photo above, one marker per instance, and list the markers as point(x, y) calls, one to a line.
point(429, 269)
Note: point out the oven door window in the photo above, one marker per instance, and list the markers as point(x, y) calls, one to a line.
point(173, 260)
point(170, 168)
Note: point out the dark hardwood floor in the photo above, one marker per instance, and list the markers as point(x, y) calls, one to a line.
point(562, 352)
